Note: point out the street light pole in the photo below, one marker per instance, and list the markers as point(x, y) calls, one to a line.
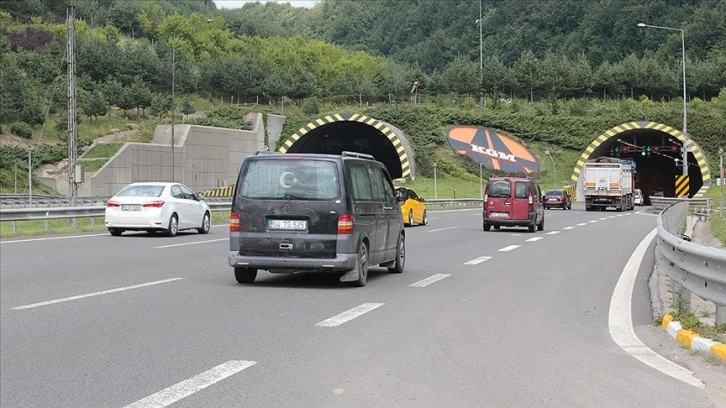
point(173, 71)
point(436, 191)
point(481, 59)
point(554, 167)
point(720, 166)
point(481, 184)
point(685, 105)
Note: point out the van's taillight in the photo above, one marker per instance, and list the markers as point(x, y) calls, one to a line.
point(154, 204)
point(112, 204)
point(233, 222)
point(530, 200)
point(345, 224)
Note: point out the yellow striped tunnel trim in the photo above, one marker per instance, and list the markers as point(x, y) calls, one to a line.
point(380, 126)
point(614, 132)
point(224, 191)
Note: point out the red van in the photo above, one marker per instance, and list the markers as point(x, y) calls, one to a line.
point(513, 202)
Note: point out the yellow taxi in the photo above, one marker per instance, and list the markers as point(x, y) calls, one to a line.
point(413, 207)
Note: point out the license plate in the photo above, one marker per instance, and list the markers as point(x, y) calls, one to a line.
point(131, 207)
point(294, 225)
point(552, 199)
point(499, 215)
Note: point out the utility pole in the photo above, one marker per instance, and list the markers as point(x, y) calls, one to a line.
point(173, 80)
point(723, 181)
point(72, 130)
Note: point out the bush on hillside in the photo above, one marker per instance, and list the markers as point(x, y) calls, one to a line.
point(21, 129)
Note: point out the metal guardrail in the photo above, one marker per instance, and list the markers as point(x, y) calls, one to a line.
point(13, 215)
point(702, 205)
point(692, 268)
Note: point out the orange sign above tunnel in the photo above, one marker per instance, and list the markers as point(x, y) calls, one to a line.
point(495, 150)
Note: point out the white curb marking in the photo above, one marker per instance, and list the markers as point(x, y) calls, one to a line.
point(620, 321)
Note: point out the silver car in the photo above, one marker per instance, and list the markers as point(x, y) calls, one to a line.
point(638, 197)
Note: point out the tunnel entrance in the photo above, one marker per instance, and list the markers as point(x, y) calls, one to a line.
point(656, 150)
point(358, 133)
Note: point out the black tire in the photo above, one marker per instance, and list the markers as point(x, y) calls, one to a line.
point(362, 266)
point(487, 227)
point(206, 224)
point(115, 232)
point(173, 227)
point(540, 226)
point(425, 218)
point(410, 218)
point(400, 256)
point(245, 275)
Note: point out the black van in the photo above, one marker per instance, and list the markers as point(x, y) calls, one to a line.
point(307, 212)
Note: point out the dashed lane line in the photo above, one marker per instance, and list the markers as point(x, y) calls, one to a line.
point(582, 224)
point(191, 243)
point(441, 229)
point(553, 232)
point(349, 315)
point(478, 260)
point(431, 279)
point(568, 228)
point(534, 239)
point(188, 387)
point(509, 248)
point(104, 292)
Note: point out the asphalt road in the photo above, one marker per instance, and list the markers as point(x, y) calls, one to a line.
point(500, 318)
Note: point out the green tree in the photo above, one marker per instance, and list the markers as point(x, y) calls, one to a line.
point(94, 105)
point(186, 107)
point(160, 105)
point(525, 73)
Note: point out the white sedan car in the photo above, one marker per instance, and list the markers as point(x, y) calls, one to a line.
point(152, 207)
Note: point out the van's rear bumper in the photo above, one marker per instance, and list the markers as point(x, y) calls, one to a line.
point(342, 262)
point(504, 222)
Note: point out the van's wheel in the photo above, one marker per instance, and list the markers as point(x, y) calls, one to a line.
point(425, 218)
point(115, 232)
point(540, 226)
point(245, 275)
point(173, 226)
point(410, 217)
point(400, 256)
point(487, 227)
point(362, 266)
point(206, 224)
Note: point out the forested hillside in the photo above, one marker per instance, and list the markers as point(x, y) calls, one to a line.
point(552, 59)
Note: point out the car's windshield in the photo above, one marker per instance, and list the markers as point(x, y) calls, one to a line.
point(290, 179)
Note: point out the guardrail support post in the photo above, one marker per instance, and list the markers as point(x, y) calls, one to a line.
point(681, 297)
point(720, 314)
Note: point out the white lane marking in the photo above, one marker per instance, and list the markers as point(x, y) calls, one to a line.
point(533, 239)
point(104, 292)
point(51, 238)
point(568, 228)
point(553, 232)
point(351, 314)
point(592, 222)
point(582, 224)
point(188, 387)
point(613, 216)
point(509, 248)
point(620, 320)
point(191, 243)
point(603, 218)
point(431, 279)
point(442, 229)
point(478, 260)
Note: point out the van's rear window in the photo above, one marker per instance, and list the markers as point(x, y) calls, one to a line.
point(290, 179)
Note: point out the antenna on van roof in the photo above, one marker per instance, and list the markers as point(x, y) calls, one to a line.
point(358, 155)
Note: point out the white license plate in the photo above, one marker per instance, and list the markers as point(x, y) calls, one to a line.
point(552, 199)
point(294, 225)
point(131, 207)
point(499, 215)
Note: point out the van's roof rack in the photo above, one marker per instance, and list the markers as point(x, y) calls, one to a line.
point(259, 152)
point(358, 155)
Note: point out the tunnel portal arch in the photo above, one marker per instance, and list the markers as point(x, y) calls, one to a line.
point(333, 134)
point(656, 169)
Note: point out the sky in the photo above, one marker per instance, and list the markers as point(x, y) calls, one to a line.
point(231, 4)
